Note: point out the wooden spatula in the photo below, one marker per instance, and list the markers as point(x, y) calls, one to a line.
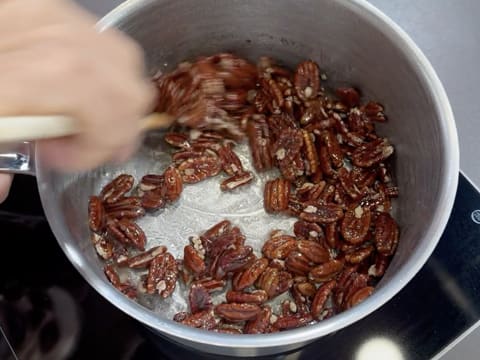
point(29, 128)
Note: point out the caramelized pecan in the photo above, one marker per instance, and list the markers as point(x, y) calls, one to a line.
point(236, 181)
point(199, 299)
point(96, 214)
point(325, 271)
point(127, 207)
point(127, 232)
point(162, 275)
point(247, 278)
point(278, 247)
point(276, 195)
point(321, 297)
point(198, 169)
point(117, 188)
point(372, 153)
point(307, 80)
point(386, 234)
point(355, 225)
point(321, 213)
point(237, 312)
point(254, 297)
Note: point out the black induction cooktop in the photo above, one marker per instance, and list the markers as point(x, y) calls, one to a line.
point(47, 310)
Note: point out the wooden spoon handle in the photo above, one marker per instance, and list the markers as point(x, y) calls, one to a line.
point(28, 128)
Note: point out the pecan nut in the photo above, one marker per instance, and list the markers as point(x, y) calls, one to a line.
point(144, 259)
point(307, 80)
point(117, 188)
point(254, 297)
point(96, 214)
point(261, 323)
point(321, 297)
point(128, 207)
point(162, 275)
point(127, 232)
point(247, 278)
point(173, 184)
point(321, 213)
point(198, 169)
point(276, 195)
point(236, 181)
point(237, 312)
point(313, 251)
point(278, 247)
point(372, 153)
point(356, 224)
point(326, 271)
point(386, 234)
point(199, 299)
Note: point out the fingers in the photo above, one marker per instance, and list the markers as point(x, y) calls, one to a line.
point(63, 66)
point(5, 183)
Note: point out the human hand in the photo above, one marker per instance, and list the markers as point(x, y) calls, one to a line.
point(53, 61)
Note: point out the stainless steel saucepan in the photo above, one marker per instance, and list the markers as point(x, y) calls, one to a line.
point(354, 43)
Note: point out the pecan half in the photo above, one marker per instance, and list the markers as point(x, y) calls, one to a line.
point(334, 150)
point(144, 259)
point(128, 207)
point(96, 214)
point(278, 247)
point(254, 297)
point(386, 234)
point(198, 169)
point(127, 232)
point(260, 142)
point(237, 312)
point(321, 213)
point(307, 80)
point(247, 278)
point(117, 188)
point(287, 152)
point(359, 255)
point(355, 225)
point(276, 195)
point(103, 246)
point(173, 184)
point(359, 296)
point(151, 182)
point(231, 163)
point(177, 140)
point(372, 153)
point(298, 263)
point(374, 111)
point(321, 297)
point(261, 323)
point(201, 320)
point(311, 156)
point(193, 261)
point(162, 275)
point(308, 231)
point(199, 299)
point(236, 181)
point(274, 281)
point(326, 271)
point(313, 251)
point(232, 260)
point(292, 321)
point(348, 96)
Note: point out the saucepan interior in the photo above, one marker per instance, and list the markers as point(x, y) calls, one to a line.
point(353, 44)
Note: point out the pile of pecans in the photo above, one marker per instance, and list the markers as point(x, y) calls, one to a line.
point(333, 177)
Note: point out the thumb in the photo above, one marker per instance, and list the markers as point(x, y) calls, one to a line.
point(5, 182)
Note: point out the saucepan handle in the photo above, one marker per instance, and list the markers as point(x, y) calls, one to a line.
point(18, 158)
point(17, 155)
